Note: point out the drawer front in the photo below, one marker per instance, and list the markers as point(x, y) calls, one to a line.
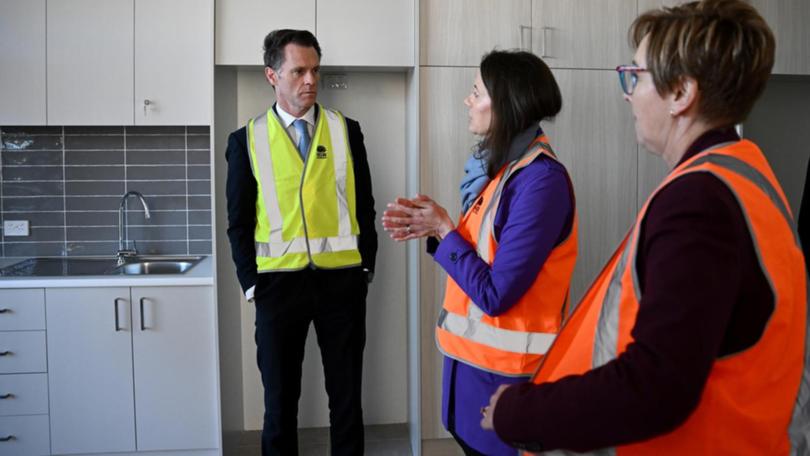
point(23, 394)
point(24, 435)
point(22, 352)
point(22, 309)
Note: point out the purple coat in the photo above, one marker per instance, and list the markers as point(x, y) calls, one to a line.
point(535, 214)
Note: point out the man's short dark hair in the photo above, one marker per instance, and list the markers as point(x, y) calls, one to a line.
point(276, 40)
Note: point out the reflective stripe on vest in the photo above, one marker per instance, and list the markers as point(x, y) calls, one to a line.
point(305, 210)
point(751, 392)
point(513, 343)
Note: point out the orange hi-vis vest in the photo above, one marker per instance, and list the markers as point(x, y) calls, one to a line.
point(513, 343)
point(751, 403)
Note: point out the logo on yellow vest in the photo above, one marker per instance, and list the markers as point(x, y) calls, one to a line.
point(320, 152)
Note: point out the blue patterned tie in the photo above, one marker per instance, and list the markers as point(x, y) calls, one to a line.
point(303, 137)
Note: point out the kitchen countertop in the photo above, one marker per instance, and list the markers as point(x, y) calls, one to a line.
point(201, 274)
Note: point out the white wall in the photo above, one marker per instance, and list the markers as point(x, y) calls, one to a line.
point(377, 101)
point(229, 316)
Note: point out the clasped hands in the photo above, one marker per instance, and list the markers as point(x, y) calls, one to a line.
point(407, 219)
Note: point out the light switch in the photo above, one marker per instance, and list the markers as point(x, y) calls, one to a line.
point(15, 228)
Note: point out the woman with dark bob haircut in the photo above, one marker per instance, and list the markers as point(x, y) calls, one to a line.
point(692, 340)
point(511, 256)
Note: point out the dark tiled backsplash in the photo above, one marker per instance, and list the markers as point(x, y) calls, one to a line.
point(68, 181)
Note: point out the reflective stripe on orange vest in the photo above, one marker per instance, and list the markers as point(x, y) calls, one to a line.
point(513, 343)
point(751, 403)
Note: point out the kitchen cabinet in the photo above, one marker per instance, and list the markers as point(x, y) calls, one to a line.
point(30, 435)
point(582, 33)
point(90, 370)
point(22, 51)
point(788, 20)
point(366, 32)
point(132, 369)
point(565, 33)
point(243, 24)
point(173, 62)
point(125, 62)
point(23, 381)
point(445, 144)
point(173, 346)
point(594, 138)
point(359, 33)
point(460, 32)
point(90, 62)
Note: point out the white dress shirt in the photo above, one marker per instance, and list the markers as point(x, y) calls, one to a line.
point(287, 120)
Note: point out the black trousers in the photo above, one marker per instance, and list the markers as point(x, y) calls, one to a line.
point(334, 301)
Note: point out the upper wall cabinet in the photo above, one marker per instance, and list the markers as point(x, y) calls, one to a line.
point(366, 32)
point(582, 33)
point(90, 62)
point(125, 62)
point(242, 25)
point(22, 51)
point(356, 33)
point(788, 20)
point(173, 62)
point(460, 32)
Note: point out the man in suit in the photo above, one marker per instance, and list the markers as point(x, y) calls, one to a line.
point(301, 227)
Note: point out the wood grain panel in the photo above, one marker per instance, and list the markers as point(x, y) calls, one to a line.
point(445, 144)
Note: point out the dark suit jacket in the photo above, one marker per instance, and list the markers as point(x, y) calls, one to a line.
point(241, 193)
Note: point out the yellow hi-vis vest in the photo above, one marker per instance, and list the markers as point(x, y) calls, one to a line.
point(305, 211)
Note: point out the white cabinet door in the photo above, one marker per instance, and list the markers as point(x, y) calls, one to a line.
point(174, 52)
point(174, 352)
point(90, 370)
point(366, 32)
point(22, 309)
point(460, 32)
point(22, 352)
point(22, 53)
point(90, 62)
point(29, 435)
point(243, 24)
point(582, 33)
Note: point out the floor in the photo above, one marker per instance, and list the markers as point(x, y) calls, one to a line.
point(381, 440)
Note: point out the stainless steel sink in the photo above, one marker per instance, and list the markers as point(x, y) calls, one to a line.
point(157, 266)
point(82, 266)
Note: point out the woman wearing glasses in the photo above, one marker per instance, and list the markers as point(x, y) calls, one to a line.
point(692, 339)
point(510, 258)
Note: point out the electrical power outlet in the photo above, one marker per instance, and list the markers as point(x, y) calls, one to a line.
point(335, 81)
point(15, 228)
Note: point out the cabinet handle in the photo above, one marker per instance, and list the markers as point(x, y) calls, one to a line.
point(146, 103)
point(4, 310)
point(143, 326)
point(522, 29)
point(7, 438)
point(117, 323)
point(543, 53)
point(6, 353)
point(6, 396)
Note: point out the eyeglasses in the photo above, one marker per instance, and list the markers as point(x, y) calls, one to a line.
point(628, 77)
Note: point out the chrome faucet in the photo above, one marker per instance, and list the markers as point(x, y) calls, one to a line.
point(123, 251)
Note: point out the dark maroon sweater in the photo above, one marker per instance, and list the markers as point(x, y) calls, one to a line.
point(704, 296)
